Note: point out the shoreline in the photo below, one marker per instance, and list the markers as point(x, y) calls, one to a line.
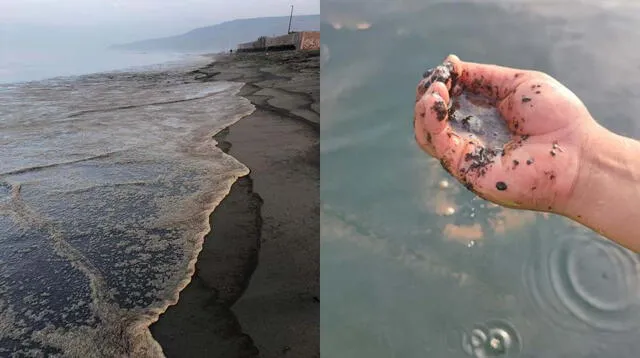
point(255, 289)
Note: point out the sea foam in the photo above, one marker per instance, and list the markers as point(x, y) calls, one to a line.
point(106, 185)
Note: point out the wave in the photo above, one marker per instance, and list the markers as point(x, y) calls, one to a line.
point(102, 217)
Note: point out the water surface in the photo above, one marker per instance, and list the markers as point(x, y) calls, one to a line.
point(28, 63)
point(412, 269)
point(106, 185)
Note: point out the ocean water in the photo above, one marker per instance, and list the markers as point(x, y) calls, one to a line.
point(31, 63)
point(401, 277)
point(106, 184)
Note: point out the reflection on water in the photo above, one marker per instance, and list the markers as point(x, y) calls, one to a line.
point(106, 184)
point(413, 267)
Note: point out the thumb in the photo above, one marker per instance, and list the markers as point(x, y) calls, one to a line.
point(490, 80)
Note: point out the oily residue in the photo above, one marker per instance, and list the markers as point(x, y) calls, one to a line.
point(440, 109)
point(106, 185)
point(501, 186)
point(477, 118)
point(473, 114)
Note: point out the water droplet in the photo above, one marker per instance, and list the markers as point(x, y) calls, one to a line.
point(492, 339)
point(471, 243)
point(443, 184)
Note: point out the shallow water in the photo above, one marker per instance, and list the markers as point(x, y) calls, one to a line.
point(106, 184)
point(412, 267)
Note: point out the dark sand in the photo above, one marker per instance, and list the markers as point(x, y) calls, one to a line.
point(256, 286)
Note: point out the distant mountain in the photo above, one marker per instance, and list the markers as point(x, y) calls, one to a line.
point(226, 35)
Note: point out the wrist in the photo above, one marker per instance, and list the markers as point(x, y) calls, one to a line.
point(597, 153)
point(607, 180)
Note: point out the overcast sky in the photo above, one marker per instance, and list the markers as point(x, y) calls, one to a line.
point(126, 20)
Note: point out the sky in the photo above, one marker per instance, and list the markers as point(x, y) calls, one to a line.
point(23, 22)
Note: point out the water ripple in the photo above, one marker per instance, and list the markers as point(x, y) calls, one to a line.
point(495, 338)
point(586, 281)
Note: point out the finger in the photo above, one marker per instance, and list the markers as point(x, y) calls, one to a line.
point(450, 148)
point(432, 110)
point(441, 73)
point(424, 129)
point(422, 137)
point(435, 87)
point(440, 139)
point(476, 162)
point(493, 81)
point(456, 69)
point(432, 132)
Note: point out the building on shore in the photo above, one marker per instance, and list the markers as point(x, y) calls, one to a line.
point(304, 41)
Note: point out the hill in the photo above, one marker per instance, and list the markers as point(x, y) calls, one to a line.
point(226, 35)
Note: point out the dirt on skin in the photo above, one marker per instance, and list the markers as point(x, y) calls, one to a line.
point(472, 113)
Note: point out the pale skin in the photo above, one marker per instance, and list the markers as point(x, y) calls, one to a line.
point(560, 160)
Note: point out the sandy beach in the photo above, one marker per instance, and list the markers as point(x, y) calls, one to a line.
point(255, 291)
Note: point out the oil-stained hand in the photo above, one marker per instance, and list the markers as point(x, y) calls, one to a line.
point(538, 167)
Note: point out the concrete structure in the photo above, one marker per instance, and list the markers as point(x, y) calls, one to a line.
point(306, 40)
point(309, 40)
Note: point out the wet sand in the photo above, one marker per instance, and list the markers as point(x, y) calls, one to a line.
point(256, 286)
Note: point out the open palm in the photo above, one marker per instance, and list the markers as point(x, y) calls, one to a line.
point(538, 167)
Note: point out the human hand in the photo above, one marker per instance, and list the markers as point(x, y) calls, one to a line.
point(549, 127)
